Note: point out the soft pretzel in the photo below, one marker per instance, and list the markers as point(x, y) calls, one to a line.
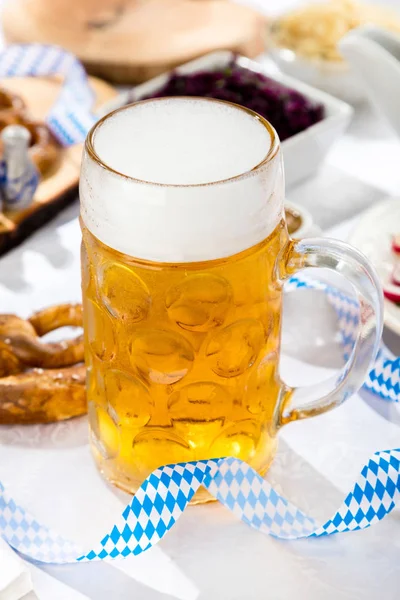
point(44, 150)
point(53, 390)
point(22, 337)
point(9, 363)
point(10, 104)
point(54, 317)
point(43, 395)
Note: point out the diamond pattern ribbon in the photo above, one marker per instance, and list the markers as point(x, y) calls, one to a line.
point(164, 495)
point(71, 116)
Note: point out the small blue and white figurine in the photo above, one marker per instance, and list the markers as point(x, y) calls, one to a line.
point(19, 177)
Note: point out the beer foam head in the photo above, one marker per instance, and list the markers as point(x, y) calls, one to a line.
point(181, 180)
point(182, 141)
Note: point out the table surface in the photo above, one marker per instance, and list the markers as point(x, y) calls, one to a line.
point(209, 555)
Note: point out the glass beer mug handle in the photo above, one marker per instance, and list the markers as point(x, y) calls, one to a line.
point(347, 261)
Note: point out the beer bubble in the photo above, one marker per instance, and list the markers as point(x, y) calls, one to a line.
point(260, 385)
point(200, 302)
point(234, 349)
point(99, 330)
point(94, 381)
point(104, 432)
point(123, 293)
point(161, 356)
point(201, 401)
point(198, 413)
point(240, 439)
point(157, 446)
point(129, 399)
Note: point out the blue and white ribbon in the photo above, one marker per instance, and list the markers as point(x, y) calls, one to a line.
point(165, 494)
point(384, 379)
point(71, 117)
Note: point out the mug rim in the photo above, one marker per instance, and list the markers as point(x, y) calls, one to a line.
point(272, 151)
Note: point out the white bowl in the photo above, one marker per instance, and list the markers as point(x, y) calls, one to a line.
point(334, 77)
point(304, 152)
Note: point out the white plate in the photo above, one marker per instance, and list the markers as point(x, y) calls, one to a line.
point(373, 236)
point(304, 152)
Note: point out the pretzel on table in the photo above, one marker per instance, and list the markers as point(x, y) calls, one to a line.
point(41, 381)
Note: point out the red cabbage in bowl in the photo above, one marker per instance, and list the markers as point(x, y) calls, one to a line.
point(288, 110)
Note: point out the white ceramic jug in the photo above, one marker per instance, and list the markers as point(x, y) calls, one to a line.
point(374, 54)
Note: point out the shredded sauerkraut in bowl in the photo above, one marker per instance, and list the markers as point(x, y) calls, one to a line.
point(314, 30)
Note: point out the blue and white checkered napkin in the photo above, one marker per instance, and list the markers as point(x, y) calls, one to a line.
point(71, 116)
point(165, 494)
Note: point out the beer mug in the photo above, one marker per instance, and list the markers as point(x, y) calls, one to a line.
point(185, 253)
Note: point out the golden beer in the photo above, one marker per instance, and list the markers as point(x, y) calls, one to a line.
point(185, 251)
point(183, 359)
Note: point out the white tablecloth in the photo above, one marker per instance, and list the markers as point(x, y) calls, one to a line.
point(209, 555)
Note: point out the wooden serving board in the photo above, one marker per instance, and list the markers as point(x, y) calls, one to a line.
point(60, 187)
point(131, 41)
